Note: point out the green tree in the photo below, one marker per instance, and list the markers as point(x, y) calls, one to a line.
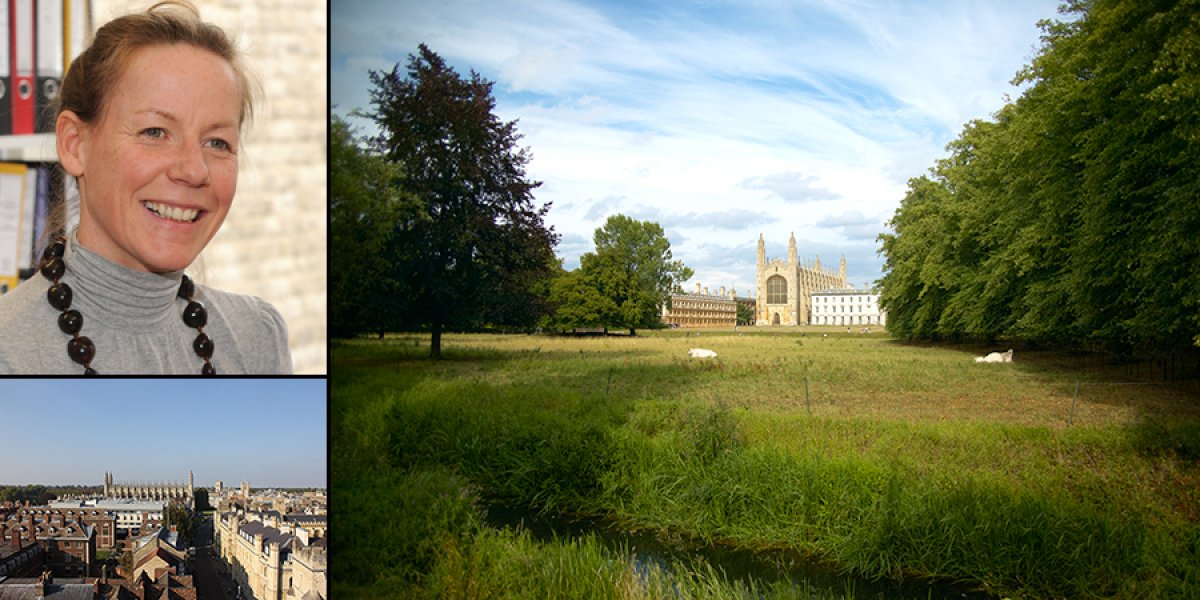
point(577, 302)
point(202, 501)
point(632, 272)
point(1070, 217)
point(181, 518)
point(745, 315)
point(479, 251)
point(366, 204)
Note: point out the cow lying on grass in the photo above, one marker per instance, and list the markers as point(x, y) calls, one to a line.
point(701, 353)
point(995, 357)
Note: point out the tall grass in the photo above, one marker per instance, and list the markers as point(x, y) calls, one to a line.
point(1010, 498)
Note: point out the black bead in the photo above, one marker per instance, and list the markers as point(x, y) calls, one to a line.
point(70, 322)
point(55, 250)
point(208, 369)
point(186, 288)
point(59, 296)
point(53, 268)
point(89, 371)
point(81, 350)
point(203, 346)
point(194, 315)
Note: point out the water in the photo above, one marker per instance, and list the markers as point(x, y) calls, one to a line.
point(737, 563)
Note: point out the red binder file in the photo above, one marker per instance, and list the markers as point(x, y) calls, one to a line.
point(20, 17)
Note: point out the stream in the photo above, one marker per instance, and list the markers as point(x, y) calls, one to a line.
point(737, 563)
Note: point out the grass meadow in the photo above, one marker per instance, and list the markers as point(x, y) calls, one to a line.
point(1055, 476)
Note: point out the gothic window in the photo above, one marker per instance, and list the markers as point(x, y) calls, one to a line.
point(776, 290)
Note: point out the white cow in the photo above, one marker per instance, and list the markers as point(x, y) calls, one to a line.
point(996, 357)
point(701, 353)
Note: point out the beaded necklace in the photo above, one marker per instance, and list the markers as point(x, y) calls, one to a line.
point(80, 348)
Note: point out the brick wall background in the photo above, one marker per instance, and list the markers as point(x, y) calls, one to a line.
point(273, 243)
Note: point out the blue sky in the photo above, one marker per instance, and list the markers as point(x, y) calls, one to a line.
point(268, 432)
point(718, 119)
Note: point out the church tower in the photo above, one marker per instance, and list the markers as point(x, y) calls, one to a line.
point(792, 249)
point(842, 271)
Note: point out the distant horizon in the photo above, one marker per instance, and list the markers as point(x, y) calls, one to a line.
point(198, 487)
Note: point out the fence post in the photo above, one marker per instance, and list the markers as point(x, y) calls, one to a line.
point(807, 405)
point(1071, 419)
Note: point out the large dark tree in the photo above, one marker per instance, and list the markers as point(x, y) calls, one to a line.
point(478, 251)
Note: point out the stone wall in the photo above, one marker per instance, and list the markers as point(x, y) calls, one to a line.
point(273, 244)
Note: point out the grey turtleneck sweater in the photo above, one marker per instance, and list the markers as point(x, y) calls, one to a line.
point(136, 323)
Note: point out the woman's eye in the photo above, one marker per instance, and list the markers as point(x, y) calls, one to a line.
point(154, 132)
point(221, 144)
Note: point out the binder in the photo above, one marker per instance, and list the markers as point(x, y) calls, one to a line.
point(41, 212)
point(5, 71)
point(25, 225)
point(76, 25)
point(49, 72)
point(12, 198)
point(20, 18)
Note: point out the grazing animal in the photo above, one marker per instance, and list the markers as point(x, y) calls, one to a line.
point(701, 353)
point(996, 357)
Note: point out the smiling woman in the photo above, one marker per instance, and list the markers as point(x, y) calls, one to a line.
point(148, 123)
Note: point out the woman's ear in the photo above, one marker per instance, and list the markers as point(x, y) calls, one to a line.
point(69, 131)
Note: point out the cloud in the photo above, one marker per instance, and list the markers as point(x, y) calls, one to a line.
point(733, 219)
point(791, 186)
point(601, 209)
point(854, 225)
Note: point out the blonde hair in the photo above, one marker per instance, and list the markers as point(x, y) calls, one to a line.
point(92, 75)
point(90, 78)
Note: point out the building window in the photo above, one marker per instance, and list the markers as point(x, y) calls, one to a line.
point(776, 290)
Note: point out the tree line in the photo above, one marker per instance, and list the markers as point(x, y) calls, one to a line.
point(434, 224)
point(1073, 216)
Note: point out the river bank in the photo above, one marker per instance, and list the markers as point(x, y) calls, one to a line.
point(884, 459)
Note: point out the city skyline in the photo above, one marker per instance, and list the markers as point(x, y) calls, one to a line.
point(270, 433)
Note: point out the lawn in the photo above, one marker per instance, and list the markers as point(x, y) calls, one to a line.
point(1056, 475)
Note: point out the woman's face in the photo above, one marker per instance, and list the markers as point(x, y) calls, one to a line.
point(158, 169)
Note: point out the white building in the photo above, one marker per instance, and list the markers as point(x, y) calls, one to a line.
point(131, 515)
point(847, 306)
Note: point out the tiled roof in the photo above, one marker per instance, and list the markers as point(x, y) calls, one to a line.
point(25, 591)
point(270, 534)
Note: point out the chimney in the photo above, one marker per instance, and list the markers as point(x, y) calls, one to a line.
point(16, 539)
point(697, 289)
point(706, 291)
point(722, 291)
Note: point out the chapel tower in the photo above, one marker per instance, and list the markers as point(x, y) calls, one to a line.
point(785, 288)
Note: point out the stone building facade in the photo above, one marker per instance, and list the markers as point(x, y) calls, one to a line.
point(848, 307)
point(68, 545)
point(273, 243)
point(167, 492)
point(103, 521)
point(701, 309)
point(270, 558)
point(785, 288)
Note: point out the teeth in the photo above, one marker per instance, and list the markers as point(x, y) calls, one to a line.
point(185, 215)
